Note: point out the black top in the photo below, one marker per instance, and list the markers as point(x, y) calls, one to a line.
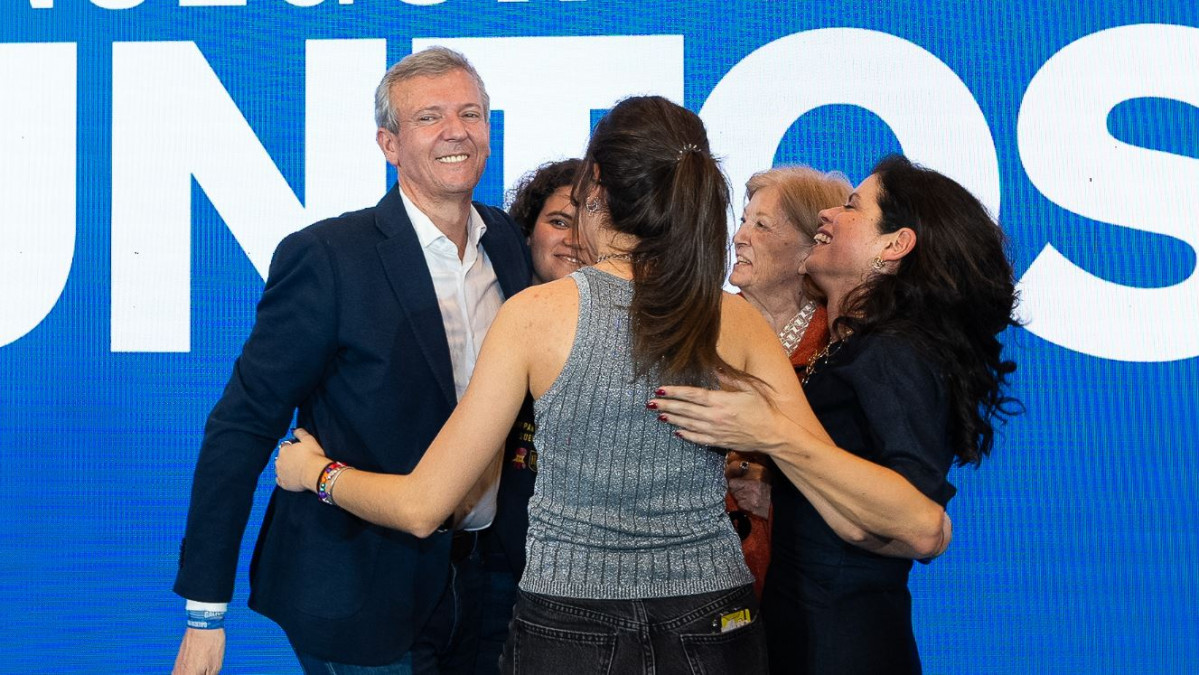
point(504, 545)
point(880, 399)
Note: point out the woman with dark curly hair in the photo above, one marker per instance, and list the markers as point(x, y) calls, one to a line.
point(542, 208)
point(918, 287)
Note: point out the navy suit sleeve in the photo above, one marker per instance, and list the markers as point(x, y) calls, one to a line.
point(292, 343)
point(906, 409)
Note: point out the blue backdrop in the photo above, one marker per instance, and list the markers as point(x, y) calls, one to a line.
point(152, 152)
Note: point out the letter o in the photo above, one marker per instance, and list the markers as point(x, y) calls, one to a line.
point(926, 105)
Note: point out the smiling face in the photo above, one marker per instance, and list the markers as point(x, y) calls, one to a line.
point(769, 249)
point(552, 241)
point(848, 241)
point(444, 137)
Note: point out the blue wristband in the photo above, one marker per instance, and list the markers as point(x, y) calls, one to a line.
point(205, 620)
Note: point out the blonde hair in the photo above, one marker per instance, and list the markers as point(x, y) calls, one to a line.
point(803, 193)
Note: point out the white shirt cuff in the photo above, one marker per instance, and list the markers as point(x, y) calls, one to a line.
point(197, 606)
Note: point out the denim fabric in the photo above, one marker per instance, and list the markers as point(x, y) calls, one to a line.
point(661, 636)
point(499, 596)
point(447, 643)
point(314, 666)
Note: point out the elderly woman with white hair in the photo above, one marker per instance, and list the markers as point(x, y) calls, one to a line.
point(774, 239)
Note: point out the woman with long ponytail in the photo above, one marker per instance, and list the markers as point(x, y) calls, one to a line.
point(632, 564)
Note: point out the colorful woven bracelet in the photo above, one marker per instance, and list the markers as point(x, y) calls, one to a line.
point(324, 486)
point(320, 480)
point(333, 475)
point(205, 619)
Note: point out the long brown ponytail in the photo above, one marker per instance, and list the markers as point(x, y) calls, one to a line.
point(662, 185)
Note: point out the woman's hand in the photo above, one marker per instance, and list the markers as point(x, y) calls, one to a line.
point(749, 482)
point(742, 420)
point(299, 463)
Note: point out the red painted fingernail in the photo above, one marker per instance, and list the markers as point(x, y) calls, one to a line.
point(678, 434)
point(652, 405)
point(660, 392)
point(662, 417)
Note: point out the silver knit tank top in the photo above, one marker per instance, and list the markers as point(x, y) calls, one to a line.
point(622, 508)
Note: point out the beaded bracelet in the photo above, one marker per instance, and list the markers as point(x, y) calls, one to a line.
point(324, 485)
point(333, 475)
point(205, 619)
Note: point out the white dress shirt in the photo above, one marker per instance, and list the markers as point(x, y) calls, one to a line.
point(469, 296)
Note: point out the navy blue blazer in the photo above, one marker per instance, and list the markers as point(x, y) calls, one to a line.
point(348, 331)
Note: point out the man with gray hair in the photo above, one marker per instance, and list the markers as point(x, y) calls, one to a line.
point(369, 327)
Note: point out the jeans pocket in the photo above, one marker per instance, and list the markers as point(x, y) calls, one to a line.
point(741, 650)
point(534, 649)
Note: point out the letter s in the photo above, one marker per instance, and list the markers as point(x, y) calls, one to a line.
point(1073, 159)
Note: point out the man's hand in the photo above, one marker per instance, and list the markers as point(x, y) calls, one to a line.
point(201, 653)
point(300, 462)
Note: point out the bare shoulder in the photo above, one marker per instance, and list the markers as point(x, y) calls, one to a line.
point(543, 300)
point(545, 318)
point(740, 321)
point(756, 349)
point(538, 314)
point(734, 305)
point(741, 329)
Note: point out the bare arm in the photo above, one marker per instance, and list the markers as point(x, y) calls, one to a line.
point(463, 451)
point(864, 503)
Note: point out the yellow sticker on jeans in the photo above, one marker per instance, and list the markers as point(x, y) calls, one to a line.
point(734, 620)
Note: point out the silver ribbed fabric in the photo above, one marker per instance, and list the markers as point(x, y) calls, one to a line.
point(622, 508)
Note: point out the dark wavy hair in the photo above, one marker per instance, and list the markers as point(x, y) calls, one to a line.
point(536, 186)
point(661, 184)
point(952, 295)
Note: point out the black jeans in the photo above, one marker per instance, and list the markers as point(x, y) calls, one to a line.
point(495, 604)
point(656, 635)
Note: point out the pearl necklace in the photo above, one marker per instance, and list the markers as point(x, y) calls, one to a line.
point(793, 332)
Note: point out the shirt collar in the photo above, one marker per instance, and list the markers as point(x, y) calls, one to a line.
point(427, 233)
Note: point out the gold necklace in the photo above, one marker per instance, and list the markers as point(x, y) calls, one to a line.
point(823, 355)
